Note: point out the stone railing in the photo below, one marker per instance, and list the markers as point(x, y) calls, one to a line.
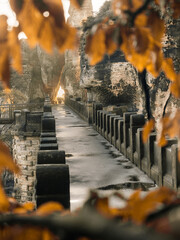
point(44, 174)
point(84, 110)
point(125, 133)
point(7, 110)
point(52, 172)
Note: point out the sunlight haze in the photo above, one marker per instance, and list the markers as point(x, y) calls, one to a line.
point(5, 10)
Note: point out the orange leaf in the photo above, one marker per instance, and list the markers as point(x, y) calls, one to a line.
point(4, 203)
point(175, 87)
point(6, 161)
point(102, 205)
point(15, 49)
point(138, 207)
point(168, 68)
point(156, 25)
point(111, 46)
point(29, 206)
point(16, 5)
point(77, 3)
point(147, 129)
point(141, 20)
point(49, 207)
point(95, 46)
point(162, 141)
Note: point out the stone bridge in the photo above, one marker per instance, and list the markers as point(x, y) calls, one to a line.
point(63, 156)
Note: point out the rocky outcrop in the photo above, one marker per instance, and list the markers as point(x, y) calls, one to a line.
point(41, 72)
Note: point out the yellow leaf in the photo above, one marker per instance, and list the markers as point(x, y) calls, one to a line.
point(6, 161)
point(65, 37)
point(49, 207)
point(156, 25)
point(31, 21)
point(3, 28)
point(15, 49)
point(16, 5)
point(168, 68)
point(46, 36)
point(4, 203)
point(175, 87)
point(4, 65)
point(95, 46)
point(162, 141)
point(77, 3)
point(111, 46)
point(141, 20)
point(29, 206)
point(56, 11)
point(138, 208)
point(147, 129)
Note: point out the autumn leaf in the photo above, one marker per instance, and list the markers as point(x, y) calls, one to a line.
point(15, 49)
point(168, 68)
point(95, 47)
point(16, 5)
point(77, 3)
point(102, 206)
point(56, 11)
point(4, 203)
point(156, 26)
point(175, 87)
point(141, 20)
point(31, 21)
point(111, 46)
point(147, 129)
point(49, 207)
point(138, 208)
point(175, 4)
point(6, 161)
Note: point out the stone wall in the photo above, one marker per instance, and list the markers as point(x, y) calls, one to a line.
point(25, 151)
point(114, 81)
point(41, 73)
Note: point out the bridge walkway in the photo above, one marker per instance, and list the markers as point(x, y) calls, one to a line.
point(94, 163)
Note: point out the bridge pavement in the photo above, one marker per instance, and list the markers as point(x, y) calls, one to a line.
point(94, 163)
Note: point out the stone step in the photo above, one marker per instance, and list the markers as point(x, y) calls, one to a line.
point(48, 146)
point(51, 157)
point(48, 134)
point(48, 140)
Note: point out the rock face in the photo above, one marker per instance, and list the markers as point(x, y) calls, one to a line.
point(71, 73)
point(40, 71)
point(114, 81)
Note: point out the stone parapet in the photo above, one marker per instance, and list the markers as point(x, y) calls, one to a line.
point(25, 151)
point(125, 133)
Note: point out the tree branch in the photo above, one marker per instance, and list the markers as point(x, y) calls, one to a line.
point(145, 88)
point(165, 106)
point(87, 223)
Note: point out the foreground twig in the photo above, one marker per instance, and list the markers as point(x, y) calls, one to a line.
point(145, 88)
point(87, 223)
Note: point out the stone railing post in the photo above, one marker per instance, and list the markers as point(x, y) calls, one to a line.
point(25, 149)
point(136, 121)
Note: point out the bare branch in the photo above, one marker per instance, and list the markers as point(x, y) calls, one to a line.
point(87, 223)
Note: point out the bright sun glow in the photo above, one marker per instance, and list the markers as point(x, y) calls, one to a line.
point(12, 21)
point(60, 93)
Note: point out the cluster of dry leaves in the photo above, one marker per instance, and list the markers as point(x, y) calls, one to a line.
point(138, 31)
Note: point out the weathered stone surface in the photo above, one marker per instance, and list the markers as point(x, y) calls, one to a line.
point(26, 159)
point(51, 157)
point(52, 179)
